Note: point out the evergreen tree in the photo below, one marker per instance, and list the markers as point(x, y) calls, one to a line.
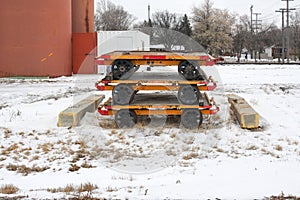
point(185, 26)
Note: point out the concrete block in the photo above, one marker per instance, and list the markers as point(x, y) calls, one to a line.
point(72, 115)
point(245, 114)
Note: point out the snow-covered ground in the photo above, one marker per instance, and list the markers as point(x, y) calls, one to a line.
point(157, 161)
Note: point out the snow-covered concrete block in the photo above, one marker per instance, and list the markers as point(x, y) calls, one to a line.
point(72, 115)
point(245, 114)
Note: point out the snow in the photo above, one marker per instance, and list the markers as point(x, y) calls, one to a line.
point(161, 160)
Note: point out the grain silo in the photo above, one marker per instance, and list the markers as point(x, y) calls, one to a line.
point(35, 38)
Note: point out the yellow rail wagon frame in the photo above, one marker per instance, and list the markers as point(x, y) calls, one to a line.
point(205, 85)
point(123, 91)
point(125, 63)
point(191, 115)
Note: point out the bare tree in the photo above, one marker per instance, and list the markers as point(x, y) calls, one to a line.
point(111, 17)
point(165, 19)
point(269, 35)
point(213, 27)
point(171, 30)
point(242, 36)
point(295, 30)
point(165, 24)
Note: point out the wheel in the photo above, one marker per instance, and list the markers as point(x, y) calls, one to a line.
point(191, 118)
point(188, 94)
point(123, 94)
point(122, 69)
point(125, 118)
point(188, 70)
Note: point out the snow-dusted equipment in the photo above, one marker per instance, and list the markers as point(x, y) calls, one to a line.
point(126, 82)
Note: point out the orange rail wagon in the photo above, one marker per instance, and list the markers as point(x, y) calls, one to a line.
point(125, 63)
point(125, 83)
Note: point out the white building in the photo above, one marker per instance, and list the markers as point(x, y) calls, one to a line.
point(109, 41)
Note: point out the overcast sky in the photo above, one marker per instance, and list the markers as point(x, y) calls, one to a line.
point(138, 8)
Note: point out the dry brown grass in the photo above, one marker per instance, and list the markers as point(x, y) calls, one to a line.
point(74, 168)
point(12, 147)
point(189, 140)
point(70, 188)
point(278, 148)
point(218, 149)
point(30, 134)
point(252, 147)
point(171, 152)
point(25, 170)
point(27, 153)
point(87, 187)
point(81, 143)
point(22, 134)
point(111, 189)
point(109, 142)
point(86, 165)
point(2, 159)
point(190, 156)
point(7, 133)
point(46, 147)
point(282, 196)
point(267, 152)
point(9, 189)
point(48, 132)
point(60, 142)
point(36, 157)
point(64, 149)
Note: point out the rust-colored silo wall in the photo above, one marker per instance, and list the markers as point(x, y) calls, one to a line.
point(82, 16)
point(35, 38)
point(84, 38)
point(84, 52)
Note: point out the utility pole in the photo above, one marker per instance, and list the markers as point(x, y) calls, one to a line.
point(288, 9)
point(295, 43)
point(282, 10)
point(256, 32)
point(148, 12)
point(251, 29)
point(251, 11)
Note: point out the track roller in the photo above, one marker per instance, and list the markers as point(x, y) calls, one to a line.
point(123, 94)
point(191, 118)
point(125, 118)
point(122, 69)
point(188, 69)
point(188, 94)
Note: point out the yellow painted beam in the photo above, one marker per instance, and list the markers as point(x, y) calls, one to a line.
point(245, 114)
point(72, 115)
